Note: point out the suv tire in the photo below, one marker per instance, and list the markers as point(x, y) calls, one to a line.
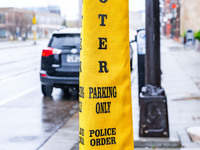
point(47, 90)
point(66, 92)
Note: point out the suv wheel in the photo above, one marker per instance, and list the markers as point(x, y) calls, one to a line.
point(47, 90)
point(66, 92)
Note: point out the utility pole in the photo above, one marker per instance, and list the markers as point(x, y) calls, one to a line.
point(153, 101)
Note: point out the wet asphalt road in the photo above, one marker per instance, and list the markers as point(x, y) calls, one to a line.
point(27, 119)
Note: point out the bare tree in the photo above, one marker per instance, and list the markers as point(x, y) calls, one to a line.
point(27, 22)
point(19, 23)
point(11, 26)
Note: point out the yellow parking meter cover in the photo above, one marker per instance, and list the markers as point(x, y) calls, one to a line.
point(105, 109)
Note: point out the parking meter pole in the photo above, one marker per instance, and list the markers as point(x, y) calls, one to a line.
point(141, 72)
point(141, 50)
point(153, 101)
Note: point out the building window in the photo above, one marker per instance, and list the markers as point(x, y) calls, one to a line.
point(2, 33)
point(2, 19)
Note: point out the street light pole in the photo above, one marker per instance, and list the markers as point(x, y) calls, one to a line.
point(152, 43)
point(153, 101)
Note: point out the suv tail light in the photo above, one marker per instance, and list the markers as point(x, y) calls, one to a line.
point(50, 51)
point(43, 73)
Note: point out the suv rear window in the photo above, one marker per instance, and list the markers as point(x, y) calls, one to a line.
point(62, 41)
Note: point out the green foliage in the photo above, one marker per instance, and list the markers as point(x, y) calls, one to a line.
point(197, 35)
point(184, 34)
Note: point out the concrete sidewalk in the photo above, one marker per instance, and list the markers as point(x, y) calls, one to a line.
point(181, 81)
point(14, 44)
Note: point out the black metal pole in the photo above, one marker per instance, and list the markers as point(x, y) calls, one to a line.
point(141, 49)
point(152, 43)
point(153, 101)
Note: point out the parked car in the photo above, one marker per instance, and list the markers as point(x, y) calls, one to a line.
point(60, 61)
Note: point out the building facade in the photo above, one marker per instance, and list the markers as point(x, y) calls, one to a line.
point(180, 16)
point(15, 22)
point(50, 9)
point(190, 15)
point(171, 19)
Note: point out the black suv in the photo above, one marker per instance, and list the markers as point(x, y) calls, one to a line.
point(60, 61)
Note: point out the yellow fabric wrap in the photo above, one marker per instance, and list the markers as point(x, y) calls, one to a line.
point(105, 109)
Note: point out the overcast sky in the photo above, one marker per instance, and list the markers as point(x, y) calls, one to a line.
point(69, 8)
